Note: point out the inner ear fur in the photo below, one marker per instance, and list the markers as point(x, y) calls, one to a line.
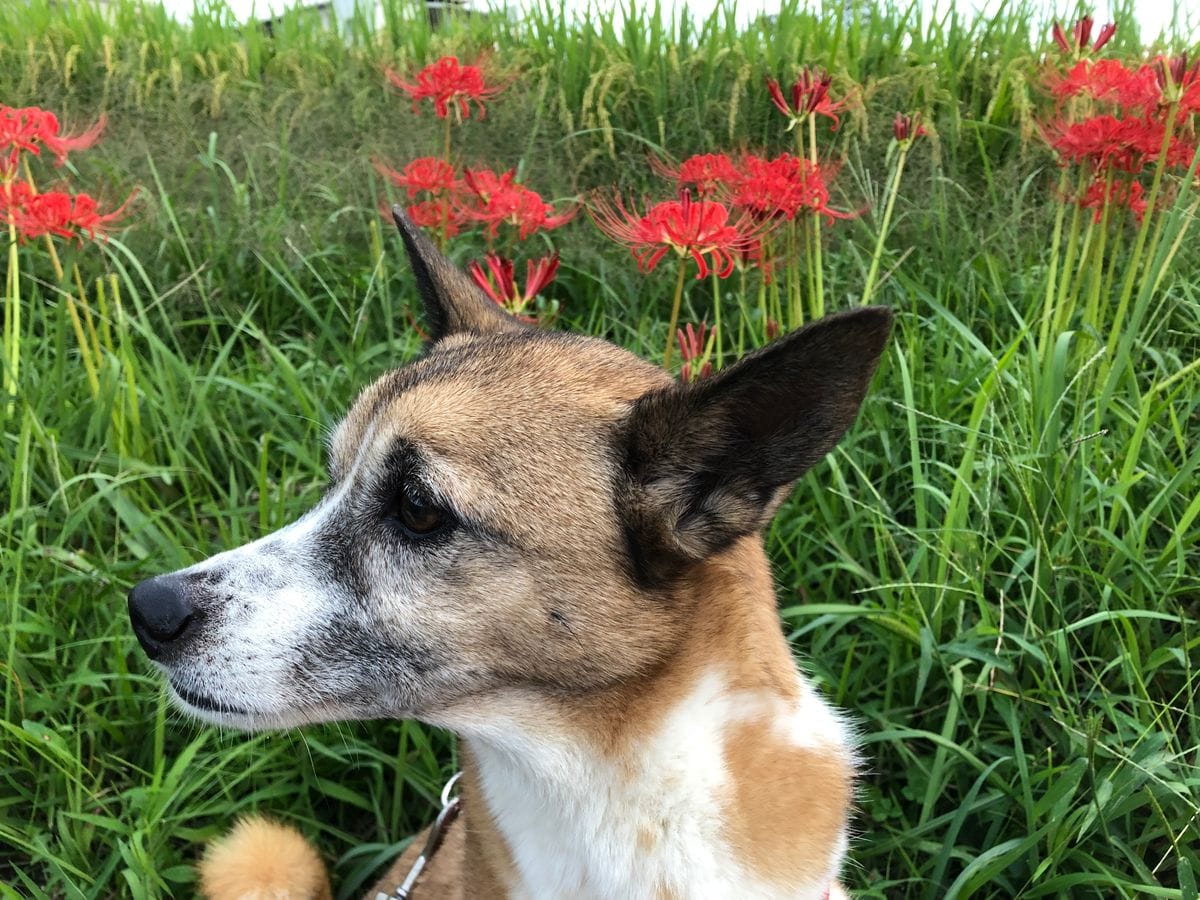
point(708, 462)
point(453, 302)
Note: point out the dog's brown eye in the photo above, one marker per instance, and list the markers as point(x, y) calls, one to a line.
point(417, 513)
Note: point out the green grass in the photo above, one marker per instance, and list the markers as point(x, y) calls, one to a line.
point(998, 571)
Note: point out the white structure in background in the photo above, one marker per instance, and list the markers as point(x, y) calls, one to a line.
point(342, 10)
point(1154, 16)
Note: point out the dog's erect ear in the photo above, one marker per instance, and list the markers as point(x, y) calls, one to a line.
point(706, 462)
point(453, 302)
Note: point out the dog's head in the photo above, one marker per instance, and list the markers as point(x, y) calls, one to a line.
point(511, 512)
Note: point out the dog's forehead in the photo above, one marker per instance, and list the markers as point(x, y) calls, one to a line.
point(482, 401)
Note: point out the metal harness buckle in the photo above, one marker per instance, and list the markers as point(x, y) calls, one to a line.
point(437, 831)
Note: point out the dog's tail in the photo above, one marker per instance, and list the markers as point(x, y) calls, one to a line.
point(263, 860)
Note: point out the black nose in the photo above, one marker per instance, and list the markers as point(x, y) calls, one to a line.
point(160, 613)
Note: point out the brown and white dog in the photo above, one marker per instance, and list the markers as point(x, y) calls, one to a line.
point(551, 548)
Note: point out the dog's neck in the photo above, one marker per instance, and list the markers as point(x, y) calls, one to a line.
point(722, 774)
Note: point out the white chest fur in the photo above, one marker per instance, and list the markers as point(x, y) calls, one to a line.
point(650, 823)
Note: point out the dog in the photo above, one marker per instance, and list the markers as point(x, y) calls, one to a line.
point(553, 549)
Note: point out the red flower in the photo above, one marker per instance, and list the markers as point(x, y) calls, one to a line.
point(61, 145)
point(1106, 32)
point(447, 82)
point(439, 214)
point(1100, 193)
point(754, 255)
point(1190, 101)
point(501, 286)
point(435, 177)
point(1109, 81)
point(1081, 36)
point(809, 96)
point(427, 173)
point(783, 186)
point(28, 129)
point(54, 212)
point(498, 200)
point(907, 128)
point(696, 228)
point(693, 348)
point(1175, 77)
point(1125, 144)
point(706, 172)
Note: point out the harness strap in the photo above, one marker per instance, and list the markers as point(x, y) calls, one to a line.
point(451, 806)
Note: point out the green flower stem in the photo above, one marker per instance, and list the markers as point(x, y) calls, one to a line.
point(12, 320)
point(444, 235)
point(795, 297)
point(885, 225)
point(716, 286)
point(762, 303)
point(1052, 271)
point(1139, 246)
point(1188, 218)
point(818, 297)
point(1067, 272)
point(1073, 281)
point(674, 323)
point(768, 255)
point(1091, 309)
point(743, 313)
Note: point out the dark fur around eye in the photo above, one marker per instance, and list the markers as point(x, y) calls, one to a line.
point(416, 512)
point(406, 505)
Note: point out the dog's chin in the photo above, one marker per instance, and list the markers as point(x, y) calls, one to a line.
point(215, 710)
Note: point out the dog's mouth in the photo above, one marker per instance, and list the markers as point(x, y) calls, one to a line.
point(208, 704)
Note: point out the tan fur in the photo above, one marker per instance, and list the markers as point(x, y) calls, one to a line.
point(492, 425)
point(262, 860)
point(769, 779)
point(555, 627)
point(774, 786)
point(488, 864)
point(738, 632)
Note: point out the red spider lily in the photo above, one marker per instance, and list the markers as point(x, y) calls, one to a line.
point(440, 214)
point(1109, 81)
point(498, 200)
point(1081, 36)
point(706, 172)
point(754, 256)
point(1189, 102)
point(426, 173)
point(908, 128)
point(1175, 77)
point(1125, 144)
point(783, 186)
point(695, 351)
point(56, 213)
point(809, 97)
point(1127, 194)
point(1107, 31)
point(448, 84)
point(28, 129)
point(695, 228)
point(501, 286)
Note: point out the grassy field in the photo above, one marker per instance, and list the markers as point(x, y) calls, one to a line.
point(998, 571)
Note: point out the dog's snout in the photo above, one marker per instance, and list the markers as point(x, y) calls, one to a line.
point(160, 612)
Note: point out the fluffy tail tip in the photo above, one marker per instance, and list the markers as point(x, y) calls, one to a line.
point(263, 860)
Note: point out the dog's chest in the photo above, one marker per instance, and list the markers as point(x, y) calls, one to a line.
point(651, 826)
